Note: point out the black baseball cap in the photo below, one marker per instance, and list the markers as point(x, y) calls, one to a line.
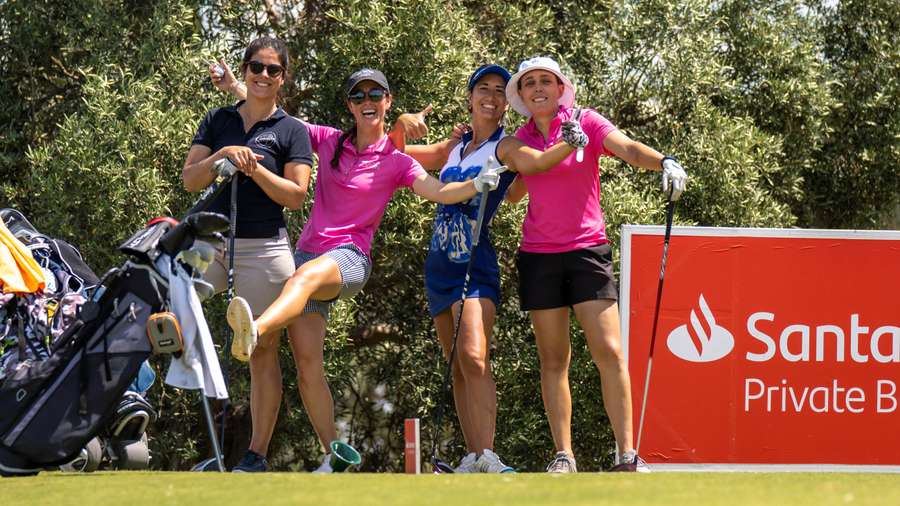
point(366, 74)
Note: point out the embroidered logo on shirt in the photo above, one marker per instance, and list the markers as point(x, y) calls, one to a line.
point(266, 140)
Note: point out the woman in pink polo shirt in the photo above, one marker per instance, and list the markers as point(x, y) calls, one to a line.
point(359, 170)
point(565, 260)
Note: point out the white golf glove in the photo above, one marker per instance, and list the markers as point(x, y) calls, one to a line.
point(674, 177)
point(573, 135)
point(489, 177)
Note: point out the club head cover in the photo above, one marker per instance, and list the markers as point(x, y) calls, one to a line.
point(144, 244)
point(207, 223)
point(216, 240)
point(177, 239)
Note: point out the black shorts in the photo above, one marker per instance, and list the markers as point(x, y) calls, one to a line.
point(552, 280)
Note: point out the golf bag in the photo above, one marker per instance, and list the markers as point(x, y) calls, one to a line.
point(53, 404)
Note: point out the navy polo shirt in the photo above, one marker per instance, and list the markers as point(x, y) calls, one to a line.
point(280, 139)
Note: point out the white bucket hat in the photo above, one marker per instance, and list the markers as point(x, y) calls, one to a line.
point(538, 63)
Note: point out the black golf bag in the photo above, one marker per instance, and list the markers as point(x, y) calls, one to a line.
point(52, 405)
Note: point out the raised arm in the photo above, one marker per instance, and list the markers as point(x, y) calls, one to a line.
point(450, 193)
point(227, 81)
point(633, 152)
point(431, 188)
point(412, 126)
point(639, 154)
point(526, 160)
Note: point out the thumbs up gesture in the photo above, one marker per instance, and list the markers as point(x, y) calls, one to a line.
point(413, 124)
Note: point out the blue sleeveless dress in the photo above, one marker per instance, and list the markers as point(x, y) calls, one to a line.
point(451, 242)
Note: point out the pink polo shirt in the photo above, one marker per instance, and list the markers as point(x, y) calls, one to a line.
point(350, 199)
point(564, 203)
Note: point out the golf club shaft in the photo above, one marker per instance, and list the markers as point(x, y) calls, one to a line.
point(670, 212)
point(211, 427)
point(229, 336)
point(209, 195)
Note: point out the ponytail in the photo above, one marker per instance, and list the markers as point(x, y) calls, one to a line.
point(350, 133)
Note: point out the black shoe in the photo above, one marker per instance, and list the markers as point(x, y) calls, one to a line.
point(251, 463)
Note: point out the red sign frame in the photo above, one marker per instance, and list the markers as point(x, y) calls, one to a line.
point(764, 354)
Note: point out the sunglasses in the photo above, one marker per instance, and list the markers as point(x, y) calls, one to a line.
point(274, 70)
point(375, 95)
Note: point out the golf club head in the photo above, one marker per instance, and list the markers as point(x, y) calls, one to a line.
point(208, 465)
point(441, 467)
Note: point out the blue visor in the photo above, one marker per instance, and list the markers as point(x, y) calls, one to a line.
point(485, 70)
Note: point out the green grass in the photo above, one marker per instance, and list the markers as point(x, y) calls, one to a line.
point(208, 489)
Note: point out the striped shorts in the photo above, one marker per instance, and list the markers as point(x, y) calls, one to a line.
point(355, 268)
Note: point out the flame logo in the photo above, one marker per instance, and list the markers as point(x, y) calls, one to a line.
point(701, 345)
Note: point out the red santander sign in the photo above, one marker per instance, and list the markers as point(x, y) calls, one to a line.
point(775, 348)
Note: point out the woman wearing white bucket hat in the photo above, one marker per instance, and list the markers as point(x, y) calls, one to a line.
point(565, 260)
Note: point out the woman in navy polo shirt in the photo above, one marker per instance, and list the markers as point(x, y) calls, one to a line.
point(273, 153)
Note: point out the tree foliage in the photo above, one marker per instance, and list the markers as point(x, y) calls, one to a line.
point(783, 112)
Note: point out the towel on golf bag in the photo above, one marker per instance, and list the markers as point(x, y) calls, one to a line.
point(198, 367)
point(19, 272)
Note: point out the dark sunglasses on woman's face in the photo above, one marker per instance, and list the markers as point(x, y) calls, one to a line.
point(272, 69)
point(375, 95)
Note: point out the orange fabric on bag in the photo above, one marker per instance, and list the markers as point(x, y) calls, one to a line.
point(19, 273)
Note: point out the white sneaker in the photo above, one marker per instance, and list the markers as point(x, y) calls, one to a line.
point(467, 464)
point(325, 466)
point(240, 319)
point(562, 463)
point(489, 462)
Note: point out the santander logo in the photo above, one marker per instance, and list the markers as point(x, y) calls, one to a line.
point(704, 341)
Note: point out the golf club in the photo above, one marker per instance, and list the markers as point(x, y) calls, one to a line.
point(670, 212)
point(226, 171)
point(441, 467)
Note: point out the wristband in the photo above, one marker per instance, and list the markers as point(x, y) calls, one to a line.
point(666, 157)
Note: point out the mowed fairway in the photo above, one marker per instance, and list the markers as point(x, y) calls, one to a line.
point(208, 489)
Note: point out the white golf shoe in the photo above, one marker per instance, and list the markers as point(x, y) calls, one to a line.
point(240, 319)
point(467, 464)
point(489, 462)
point(325, 466)
point(562, 463)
